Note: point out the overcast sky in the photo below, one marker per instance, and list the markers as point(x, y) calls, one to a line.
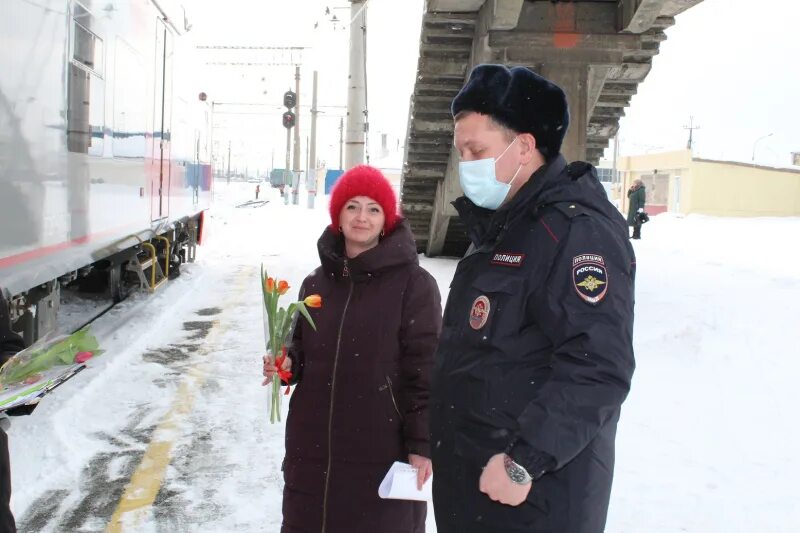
point(735, 66)
point(732, 64)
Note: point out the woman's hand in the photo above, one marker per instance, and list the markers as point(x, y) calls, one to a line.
point(270, 370)
point(424, 468)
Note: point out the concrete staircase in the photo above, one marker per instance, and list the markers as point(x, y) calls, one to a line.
point(445, 49)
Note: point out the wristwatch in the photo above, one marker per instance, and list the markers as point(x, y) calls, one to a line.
point(517, 473)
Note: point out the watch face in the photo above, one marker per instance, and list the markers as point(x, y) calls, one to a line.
point(518, 475)
point(516, 472)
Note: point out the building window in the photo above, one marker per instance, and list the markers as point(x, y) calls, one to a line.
point(657, 188)
point(605, 174)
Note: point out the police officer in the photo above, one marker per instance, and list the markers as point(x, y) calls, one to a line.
point(536, 355)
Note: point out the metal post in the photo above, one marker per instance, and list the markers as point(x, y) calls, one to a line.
point(356, 103)
point(341, 144)
point(296, 184)
point(311, 179)
point(229, 162)
point(753, 158)
point(212, 140)
point(286, 171)
point(615, 172)
point(616, 188)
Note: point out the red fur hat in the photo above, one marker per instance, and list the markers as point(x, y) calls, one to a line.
point(364, 180)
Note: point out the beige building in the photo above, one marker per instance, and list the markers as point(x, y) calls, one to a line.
point(677, 182)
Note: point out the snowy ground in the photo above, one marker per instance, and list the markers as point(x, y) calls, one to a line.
point(707, 441)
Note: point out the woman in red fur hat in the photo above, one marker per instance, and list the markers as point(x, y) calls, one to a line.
point(363, 376)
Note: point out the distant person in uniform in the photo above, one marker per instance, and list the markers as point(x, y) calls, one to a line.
point(536, 353)
point(636, 200)
point(258, 190)
point(10, 344)
point(363, 376)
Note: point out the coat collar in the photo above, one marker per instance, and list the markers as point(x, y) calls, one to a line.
point(394, 250)
point(485, 225)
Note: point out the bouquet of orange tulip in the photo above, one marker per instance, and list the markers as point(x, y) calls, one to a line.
point(277, 324)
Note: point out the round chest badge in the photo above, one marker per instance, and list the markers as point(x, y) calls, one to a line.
point(479, 314)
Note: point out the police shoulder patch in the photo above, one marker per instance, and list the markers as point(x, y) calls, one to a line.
point(589, 277)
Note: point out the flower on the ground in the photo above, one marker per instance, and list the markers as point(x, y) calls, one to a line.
point(29, 365)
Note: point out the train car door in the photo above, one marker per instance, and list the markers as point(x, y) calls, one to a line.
point(160, 186)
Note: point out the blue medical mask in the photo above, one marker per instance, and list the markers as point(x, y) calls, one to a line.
point(479, 181)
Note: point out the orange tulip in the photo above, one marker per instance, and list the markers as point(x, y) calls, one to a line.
point(315, 300)
point(270, 285)
point(283, 287)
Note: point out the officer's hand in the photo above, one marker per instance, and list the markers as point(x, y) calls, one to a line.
point(496, 484)
point(641, 210)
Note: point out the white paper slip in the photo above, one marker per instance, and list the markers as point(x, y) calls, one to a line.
point(400, 483)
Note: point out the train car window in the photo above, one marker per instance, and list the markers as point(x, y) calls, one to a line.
point(130, 103)
point(85, 88)
point(85, 114)
point(87, 48)
point(183, 139)
point(203, 154)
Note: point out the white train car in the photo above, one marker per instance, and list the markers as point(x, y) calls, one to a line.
point(104, 147)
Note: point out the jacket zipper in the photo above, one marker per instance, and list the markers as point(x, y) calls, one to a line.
point(391, 393)
point(330, 412)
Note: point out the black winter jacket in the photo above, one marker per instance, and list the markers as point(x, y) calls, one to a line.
point(535, 356)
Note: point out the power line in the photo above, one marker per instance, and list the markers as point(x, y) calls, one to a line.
point(236, 47)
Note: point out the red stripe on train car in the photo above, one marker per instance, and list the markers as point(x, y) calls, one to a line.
point(31, 255)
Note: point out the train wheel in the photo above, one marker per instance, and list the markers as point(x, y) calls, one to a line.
point(116, 289)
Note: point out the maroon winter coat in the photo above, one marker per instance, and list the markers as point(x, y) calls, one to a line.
point(363, 378)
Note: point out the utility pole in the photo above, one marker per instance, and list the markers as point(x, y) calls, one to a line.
point(691, 127)
point(616, 185)
point(289, 121)
point(341, 144)
point(356, 97)
point(311, 179)
point(286, 171)
point(296, 180)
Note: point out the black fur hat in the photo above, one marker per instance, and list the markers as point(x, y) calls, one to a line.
point(520, 100)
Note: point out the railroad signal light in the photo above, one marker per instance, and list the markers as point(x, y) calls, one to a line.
point(289, 120)
point(289, 99)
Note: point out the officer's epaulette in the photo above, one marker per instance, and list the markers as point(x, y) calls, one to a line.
point(571, 209)
point(576, 169)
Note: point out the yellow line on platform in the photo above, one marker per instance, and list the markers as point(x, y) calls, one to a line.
point(141, 491)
